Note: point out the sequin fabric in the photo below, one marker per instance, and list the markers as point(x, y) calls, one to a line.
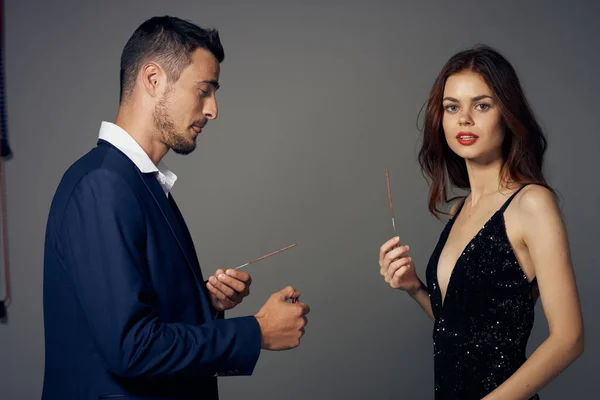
point(481, 330)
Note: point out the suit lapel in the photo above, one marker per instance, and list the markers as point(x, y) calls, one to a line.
point(191, 246)
point(186, 231)
point(171, 213)
point(176, 227)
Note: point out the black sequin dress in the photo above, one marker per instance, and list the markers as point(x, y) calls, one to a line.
point(481, 330)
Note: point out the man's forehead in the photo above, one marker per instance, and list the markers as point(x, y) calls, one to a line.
point(204, 68)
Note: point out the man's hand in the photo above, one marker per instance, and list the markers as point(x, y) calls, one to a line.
point(228, 288)
point(281, 323)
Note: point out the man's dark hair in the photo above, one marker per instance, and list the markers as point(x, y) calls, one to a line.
point(169, 41)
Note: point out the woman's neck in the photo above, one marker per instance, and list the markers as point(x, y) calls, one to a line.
point(484, 179)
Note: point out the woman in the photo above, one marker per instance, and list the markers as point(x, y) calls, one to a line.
point(504, 244)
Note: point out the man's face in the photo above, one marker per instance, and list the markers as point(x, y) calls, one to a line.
point(189, 103)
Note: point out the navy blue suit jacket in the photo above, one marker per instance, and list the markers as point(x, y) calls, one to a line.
point(126, 312)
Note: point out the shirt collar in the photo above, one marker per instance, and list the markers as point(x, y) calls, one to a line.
point(123, 141)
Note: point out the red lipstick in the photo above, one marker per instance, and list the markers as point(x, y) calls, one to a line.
point(466, 138)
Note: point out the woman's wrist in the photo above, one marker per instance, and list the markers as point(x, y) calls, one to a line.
point(417, 289)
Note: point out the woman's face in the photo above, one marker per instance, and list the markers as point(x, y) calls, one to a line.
point(472, 120)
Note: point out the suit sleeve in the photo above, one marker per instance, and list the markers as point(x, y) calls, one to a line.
point(102, 236)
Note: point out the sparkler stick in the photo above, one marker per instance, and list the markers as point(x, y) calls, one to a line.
point(387, 177)
point(265, 256)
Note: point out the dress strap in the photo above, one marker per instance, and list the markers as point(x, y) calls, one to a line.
point(510, 199)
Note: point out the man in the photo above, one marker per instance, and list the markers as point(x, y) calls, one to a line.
point(127, 311)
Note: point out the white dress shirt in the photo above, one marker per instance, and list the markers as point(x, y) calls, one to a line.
point(123, 141)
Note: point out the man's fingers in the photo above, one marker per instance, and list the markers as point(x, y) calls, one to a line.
point(219, 272)
point(227, 291)
point(233, 283)
point(218, 294)
point(305, 308)
point(239, 275)
point(221, 286)
point(225, 301)
point(287, 293)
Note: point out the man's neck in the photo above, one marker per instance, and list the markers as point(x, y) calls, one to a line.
point(141, 129)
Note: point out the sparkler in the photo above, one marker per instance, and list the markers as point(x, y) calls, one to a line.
point(295, 299)
point(387, 177)
point(265, 256)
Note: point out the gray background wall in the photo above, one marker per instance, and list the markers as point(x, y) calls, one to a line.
point(316, 98)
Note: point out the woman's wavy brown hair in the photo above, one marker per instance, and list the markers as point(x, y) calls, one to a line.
point(524, 144)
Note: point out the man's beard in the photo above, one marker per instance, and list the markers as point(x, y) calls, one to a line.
point(166, 128)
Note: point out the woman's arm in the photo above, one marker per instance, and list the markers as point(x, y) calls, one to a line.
point(399, 272)
point(421, 296)
point(546, 239)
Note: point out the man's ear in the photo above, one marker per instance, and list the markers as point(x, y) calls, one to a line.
point(153, 79)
